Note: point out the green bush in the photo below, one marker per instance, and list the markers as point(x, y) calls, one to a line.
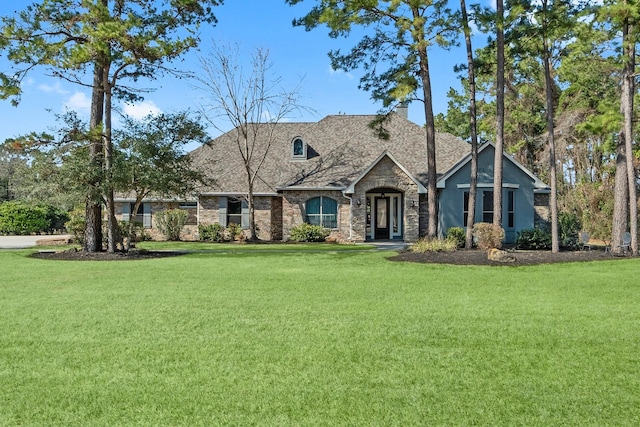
point(488, 236)
point(458, 235)
point(20, 218)
point(309, 233)
point(76, 225)
point(534, 238)
point(171, 222)
point(569, 227)
point(211, 232)
point(435, 245)
point(234, 232)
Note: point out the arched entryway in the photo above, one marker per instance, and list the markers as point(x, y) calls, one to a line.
point(384, 214)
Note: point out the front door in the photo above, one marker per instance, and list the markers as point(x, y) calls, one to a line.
point(382, 218)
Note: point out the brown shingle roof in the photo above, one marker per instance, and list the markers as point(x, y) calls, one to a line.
point(339, 148)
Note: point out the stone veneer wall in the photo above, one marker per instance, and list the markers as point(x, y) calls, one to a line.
point(209, 207)
point(386, 174)
point(542, 214)
point(293, 213)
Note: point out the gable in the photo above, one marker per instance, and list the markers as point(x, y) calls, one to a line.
point(384, 169)
point(514, 174)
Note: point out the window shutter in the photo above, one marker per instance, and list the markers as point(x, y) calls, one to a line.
point(126, 211)
point(146, 215)
point(222, 211)
point(245, 215)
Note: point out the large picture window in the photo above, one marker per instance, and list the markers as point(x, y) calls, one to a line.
point(322, 211)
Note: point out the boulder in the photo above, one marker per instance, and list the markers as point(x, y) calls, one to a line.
point(499, 255)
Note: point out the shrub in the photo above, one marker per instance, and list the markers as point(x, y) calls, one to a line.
point(488, 236)
point(234, 232)
point(533, 238)
point(434, 245)
point(569, 227)
point(458, 235)
point(20, 218)
point(171, 222)
point(309, 233)
point(76, 225)
point(211, 232)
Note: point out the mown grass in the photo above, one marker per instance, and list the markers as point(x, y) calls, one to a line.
point(340, 337)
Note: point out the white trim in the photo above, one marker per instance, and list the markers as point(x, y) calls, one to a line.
point(537, 183)
point(489, 185)
point(351, 188)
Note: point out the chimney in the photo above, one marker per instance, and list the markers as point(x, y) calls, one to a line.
point(403, 110)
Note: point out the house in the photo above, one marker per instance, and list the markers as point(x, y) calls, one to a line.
point(338, 173)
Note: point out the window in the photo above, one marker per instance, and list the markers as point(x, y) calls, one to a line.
point(142, 216)
point(465, 208)
point(322, 211)
point(511, 211)
point(487, 206)
point(233, 210)
point(298, 149)
point(192, 212)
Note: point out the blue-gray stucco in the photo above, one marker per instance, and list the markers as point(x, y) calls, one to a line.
point(514, 179)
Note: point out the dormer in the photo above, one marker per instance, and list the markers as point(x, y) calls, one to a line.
point(298, 149)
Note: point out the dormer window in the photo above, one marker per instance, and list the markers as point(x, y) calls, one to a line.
point(298, 149)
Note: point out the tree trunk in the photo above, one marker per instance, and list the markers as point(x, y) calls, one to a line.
point(93, 207)
point(432, 194)
point(620, 200)
point(555, 244)
point(497, 160)
point(252, 218)
point(112, 225)
point(628, 88)
point(473, 179)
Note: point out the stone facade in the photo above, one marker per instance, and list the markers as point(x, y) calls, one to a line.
point(293, 211)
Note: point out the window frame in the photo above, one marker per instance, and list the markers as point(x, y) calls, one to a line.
point(301, 156)
point(325, 220)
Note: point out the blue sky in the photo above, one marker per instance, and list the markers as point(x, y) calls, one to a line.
point(299, 58)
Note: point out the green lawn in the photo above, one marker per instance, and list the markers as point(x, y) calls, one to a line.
point(268, 336)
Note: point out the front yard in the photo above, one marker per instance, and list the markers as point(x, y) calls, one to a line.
point(270, 336)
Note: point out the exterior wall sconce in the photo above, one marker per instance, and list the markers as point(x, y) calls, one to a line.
point(413, 203)
point(358, 202)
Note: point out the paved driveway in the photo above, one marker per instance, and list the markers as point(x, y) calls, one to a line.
point(19, 242)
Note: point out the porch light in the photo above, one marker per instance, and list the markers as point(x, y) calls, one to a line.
point(413, 203)
point(358, 202)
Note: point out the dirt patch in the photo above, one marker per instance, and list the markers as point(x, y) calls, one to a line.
point(479, 257)
point(74, 255)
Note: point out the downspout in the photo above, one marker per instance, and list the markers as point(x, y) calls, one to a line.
point(350, 214)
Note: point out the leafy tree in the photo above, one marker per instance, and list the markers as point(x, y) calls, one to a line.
point(252, 104)
point(150, 158)
point(118, 40)
point(394, 54)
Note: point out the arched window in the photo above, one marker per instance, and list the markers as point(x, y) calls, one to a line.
point(298, 149)
point(322, 211)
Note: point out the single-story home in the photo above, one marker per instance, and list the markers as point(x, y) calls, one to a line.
point(339, 173)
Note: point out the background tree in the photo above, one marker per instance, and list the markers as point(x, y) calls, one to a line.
point(394, 54)
point(251, 103)
point(117, 40)
point(150, 158)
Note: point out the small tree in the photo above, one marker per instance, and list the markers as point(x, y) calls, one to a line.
point(253, 104)
point(150, 158)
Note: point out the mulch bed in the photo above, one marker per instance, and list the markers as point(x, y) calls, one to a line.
point(73, 255)
point(460, 257)
point(479, 257)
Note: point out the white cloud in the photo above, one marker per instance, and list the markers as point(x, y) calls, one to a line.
point(56, 88)
point(79, 101)
point(141, 110)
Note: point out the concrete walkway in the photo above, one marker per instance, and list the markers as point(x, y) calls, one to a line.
point(21, 242)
